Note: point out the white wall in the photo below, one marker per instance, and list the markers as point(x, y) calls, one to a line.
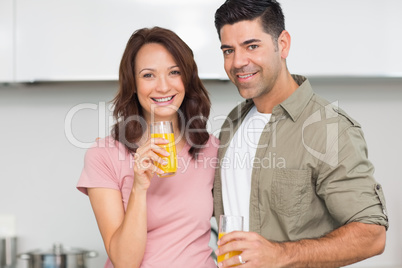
point(40, 165)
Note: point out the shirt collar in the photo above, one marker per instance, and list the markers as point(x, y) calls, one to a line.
point(295, 103)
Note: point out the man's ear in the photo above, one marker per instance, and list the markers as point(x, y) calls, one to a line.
point(284, 41)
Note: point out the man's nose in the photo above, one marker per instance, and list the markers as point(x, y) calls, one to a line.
point(240, 59)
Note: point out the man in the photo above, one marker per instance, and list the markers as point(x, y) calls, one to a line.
point(294, 165)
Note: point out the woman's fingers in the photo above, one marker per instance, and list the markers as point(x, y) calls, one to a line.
point(149, 154)
point(147, 162)
point(160, 141)
point(159, 150)
point(154, 144)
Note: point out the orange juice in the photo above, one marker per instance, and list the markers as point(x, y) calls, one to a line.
point(171, 167)
point(227, 255)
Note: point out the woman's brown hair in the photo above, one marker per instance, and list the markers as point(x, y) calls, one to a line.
point(193, 112)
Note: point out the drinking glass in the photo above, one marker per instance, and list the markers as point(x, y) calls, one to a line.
point(227, 224)
point(164, 129)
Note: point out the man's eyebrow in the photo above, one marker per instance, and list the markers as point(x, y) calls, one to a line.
point(245, 43)
point(225, 46)
point(250, 41)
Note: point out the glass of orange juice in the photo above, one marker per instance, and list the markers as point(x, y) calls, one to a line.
point(164, 129)
point(227, 224)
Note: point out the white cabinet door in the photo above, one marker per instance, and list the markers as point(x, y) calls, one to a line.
point(6, 41)
point(345, 37)
point(84, 39)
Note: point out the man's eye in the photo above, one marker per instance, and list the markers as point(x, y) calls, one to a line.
point(252, 47)
point(228, 51)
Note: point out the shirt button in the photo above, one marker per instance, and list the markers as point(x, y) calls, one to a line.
point(378, 187)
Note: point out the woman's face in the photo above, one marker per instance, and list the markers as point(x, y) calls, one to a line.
point(160, 88)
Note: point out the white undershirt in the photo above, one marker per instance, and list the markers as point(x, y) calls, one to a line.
point(237, 168)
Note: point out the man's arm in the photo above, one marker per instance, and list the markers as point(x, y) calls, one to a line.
point(348, 244)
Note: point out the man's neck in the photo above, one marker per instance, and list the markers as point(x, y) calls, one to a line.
point(282, 90)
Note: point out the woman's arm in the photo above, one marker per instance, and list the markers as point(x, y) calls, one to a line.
point(124, 233)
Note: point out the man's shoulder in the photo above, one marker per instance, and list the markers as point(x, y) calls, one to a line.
point(330, 110)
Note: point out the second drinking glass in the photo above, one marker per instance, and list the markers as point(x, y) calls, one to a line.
point(227, 224)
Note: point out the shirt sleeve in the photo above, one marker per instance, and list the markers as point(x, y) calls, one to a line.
point(348, 188)
point(98, 170)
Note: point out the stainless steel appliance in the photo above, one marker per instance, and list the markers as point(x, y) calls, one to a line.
point(8, 252)
point(58, 257)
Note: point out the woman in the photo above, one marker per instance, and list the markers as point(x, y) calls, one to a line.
point(144, 220)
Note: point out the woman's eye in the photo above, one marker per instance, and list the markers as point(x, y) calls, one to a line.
point(175, 72)
point(147, 75)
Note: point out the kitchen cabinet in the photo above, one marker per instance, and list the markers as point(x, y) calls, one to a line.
point(84, 39)
point(6, 41)
point(345, 37)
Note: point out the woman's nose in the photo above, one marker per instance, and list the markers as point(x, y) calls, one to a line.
point(163, 84)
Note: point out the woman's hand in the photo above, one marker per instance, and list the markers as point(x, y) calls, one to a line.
point(144, 159)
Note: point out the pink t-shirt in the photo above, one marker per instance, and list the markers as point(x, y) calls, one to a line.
point(179, 208)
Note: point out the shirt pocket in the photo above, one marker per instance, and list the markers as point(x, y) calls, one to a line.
point(291, 191)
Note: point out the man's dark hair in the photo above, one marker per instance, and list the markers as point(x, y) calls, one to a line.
point(270, 12)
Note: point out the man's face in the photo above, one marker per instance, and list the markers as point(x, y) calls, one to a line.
point(251, 58)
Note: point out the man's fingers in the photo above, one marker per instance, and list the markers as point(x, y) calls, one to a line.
point(235, 235)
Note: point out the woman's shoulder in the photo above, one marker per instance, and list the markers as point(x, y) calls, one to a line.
point(104, 163)
point(106, 147)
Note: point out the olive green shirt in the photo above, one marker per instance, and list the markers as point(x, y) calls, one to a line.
point(311, 173)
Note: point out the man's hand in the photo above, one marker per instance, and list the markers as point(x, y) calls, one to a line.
point(256, 250)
